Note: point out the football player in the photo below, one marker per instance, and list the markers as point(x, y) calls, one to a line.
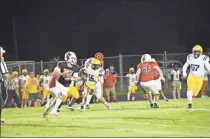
point(132, 87)
point(24, 92)
point(94, 83)
point(198, 63)
point(44, 81)
point(146, 70)
point(63, 80)
point(158, 81)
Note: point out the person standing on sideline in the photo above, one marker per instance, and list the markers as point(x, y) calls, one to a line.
point(114, 73)
point(10, 85)
point(24, 92)
point(205, 85)
point(176, 81)
point(109, 84)
point(33, 89)
point(3, 72)
point(16, 79)
point(132, 86)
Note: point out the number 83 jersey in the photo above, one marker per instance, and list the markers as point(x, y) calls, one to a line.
point(197, 65)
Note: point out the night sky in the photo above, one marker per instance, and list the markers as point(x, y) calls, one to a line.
point(47, 28)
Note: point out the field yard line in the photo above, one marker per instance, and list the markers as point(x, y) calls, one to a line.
point(137, 123)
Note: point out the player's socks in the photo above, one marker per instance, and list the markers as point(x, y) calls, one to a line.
point(133, 98)
point(128, 96)
point(88, 99)
point(58, 102)
point(165, 98)
point(189, 98)
point(59, 107)
point(107, 105)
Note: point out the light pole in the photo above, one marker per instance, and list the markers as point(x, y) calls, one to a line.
point(15, 40)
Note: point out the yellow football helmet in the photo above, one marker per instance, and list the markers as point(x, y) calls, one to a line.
point(14, 73)
point(131, 69)
point(95, 62)
point(24, 71)
point(197, 51)
point(46, 70)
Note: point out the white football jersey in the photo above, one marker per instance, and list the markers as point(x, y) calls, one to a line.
point(16, 79)
point(23, 79)
point(197, 65)
point(132, 78)
point(45, 79)
point(176, 75)
point(94, 74)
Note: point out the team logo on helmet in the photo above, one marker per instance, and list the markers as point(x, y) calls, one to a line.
point(99, 56)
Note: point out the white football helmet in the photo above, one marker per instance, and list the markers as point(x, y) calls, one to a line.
point(70, 57)
point(146, 58)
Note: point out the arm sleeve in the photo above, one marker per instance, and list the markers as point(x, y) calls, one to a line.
point(172, 75)
point(207, 65)
point(101, 79)
point(184, 69)
point(138, 74)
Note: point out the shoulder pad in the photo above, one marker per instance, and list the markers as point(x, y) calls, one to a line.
point(205, 58)
point(101, 71)
point(76, 68)
point(189, 56)
point(61, 64)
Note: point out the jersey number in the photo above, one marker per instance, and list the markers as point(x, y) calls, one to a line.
point(146, 69)
point(194, 67)
point(91, 78)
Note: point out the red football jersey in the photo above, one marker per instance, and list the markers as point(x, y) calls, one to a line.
point(147, 71)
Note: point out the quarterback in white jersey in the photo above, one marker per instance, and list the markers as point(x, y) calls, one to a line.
point(45, 79)
point(132, 87)
point(94, 83)
point(63, 81)
point(198, 63)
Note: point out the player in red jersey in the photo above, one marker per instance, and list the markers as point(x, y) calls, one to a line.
point(158, 81)
point(146, 73)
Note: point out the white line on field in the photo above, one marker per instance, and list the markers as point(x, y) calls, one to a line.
point(136, 123)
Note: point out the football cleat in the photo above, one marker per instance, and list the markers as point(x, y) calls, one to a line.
point(151, 105)
point(155, 105)
point(189, 106)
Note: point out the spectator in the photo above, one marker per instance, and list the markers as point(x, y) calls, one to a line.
point(33, 89)
point(10, 86)
point(16, 79)
point(176, 81)
point(109, 85)
point(113, 72)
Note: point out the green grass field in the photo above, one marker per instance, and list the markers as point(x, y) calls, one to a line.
point(126, 119)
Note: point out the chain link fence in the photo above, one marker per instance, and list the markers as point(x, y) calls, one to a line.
point(122, 64)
